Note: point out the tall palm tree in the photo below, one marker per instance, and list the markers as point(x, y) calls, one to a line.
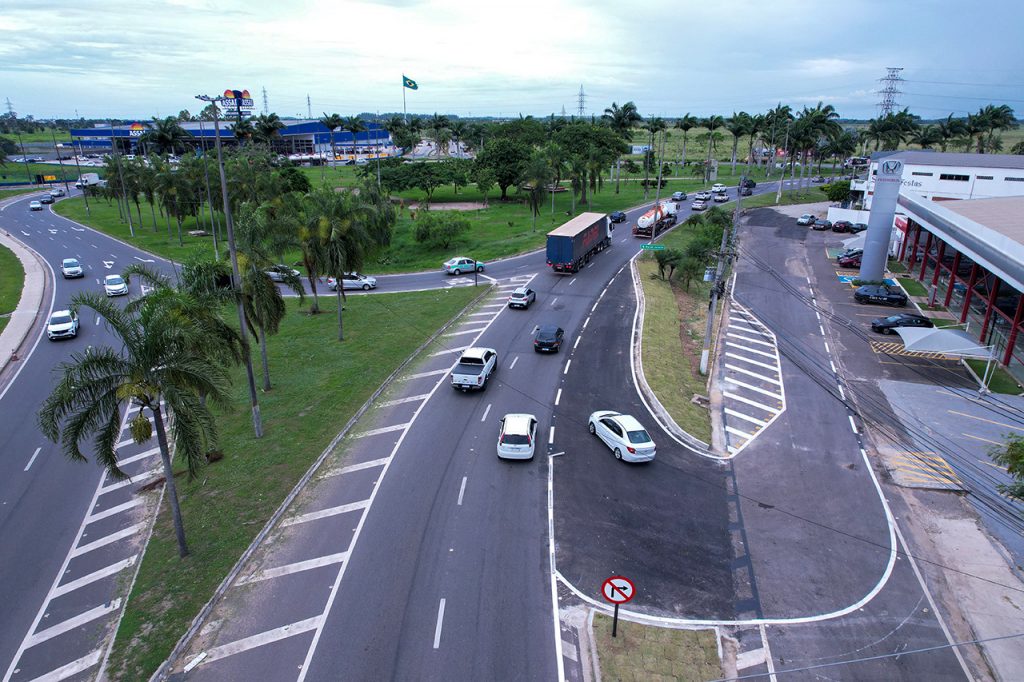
point(555, 156)
point(622, 120)
point(738, 125)
point(654, 125)
point(950, 129)
point(332, 122)
point(458, 130)
point(437, 126)
point(777, 120)
point(354, 125)
point(712, 123)
point(990, 119)
point(686, 123)
point(537, 174)
point(157, 369)
point(243, 130)
point(926, 136)
point(268, 128)
point(166, 136)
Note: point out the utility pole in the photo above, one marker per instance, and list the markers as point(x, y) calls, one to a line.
point(716, 286)
point(236, 277)
point(309, 107)
point(63, 175)
point(209, 194)
point(782, 178)
point(85, 193)
point(266, 106)
point(657, 189)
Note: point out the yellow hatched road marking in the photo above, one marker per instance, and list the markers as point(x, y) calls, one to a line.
point(896, 348)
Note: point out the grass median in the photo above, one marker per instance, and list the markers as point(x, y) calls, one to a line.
point(12, 281)
point(318, 384)
point(641, 652)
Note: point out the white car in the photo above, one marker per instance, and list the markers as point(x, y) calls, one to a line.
point(517, 437)
point(35, 206)
point(56, 192)
point(279, 272)
point(70, 268)
point(461, 264)
point(805, 219)
point(698, 205)
point(626, 437)
point(63, 324)
point(717, 187)
point(353, 280)
point(703, 196)
point(721, 197)
point(115, 285)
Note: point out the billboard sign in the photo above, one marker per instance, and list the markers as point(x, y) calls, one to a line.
point(237, 102)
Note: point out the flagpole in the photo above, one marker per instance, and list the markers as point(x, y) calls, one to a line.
point(405, 114)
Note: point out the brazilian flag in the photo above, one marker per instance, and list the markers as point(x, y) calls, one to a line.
point(409, 83)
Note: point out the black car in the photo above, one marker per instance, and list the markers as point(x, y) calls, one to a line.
point(857, 227)
point(548, 338)
point(617, 217)
point(885, 325)
point(748, 183)
point(821, 224)
point(841, 226)
point(746, 191)
point(46, 199)
point(849, 253)
point(881, 294)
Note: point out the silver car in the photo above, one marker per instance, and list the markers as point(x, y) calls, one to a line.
point(278, 273)
point(626, 437)
point(352, 280)
point(70, 268)
point(114, 285)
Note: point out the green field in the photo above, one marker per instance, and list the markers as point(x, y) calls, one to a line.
point(7, 193)
point(26, 172)
point(12, 280)
point(45, 135)
point(230, 500)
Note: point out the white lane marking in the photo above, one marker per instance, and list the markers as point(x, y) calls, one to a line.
point(551, 435)
point(400, 401)
point(737, 432)
point(92, 518)
point(494, 305)
point(73, 668)
point(751, 340)
point(357, 467)
point(297, 567)
point(383, 429)
point(853, 426)
point(826, 347)
point(821, 329)
point(514, 361)
point(72, 623)
point(462, 490)
point(440, 622)
point(586, 322)
point(466, 331)
point(808, 279)
point(553, 570)
point(136, 458)
point(33, 458)
point(107, 540)
point(751, 387)
point(577, 342)
point(572, 281)
point(747, 349)
point(817, 315)
point(558, 396)
point(431, 373)
point(735, 356)
point(268, 637)
point(491, 279)
point(553, 301)
point(762, 377)
point(833, 366)
point(746, 417)
point(767, 654)
point(566, 370)
point(112, 569)
point(748, 401)
point(486, 411)
point(450, 350)
point(131, 480)
point(324, 513)
point(94, 246)
point(96, 321)
point(842, 393)
point(491, 313)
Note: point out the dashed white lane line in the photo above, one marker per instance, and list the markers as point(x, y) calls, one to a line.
point(748, 401)
point(567, 363)
point(821, 329)
point(762, 377)
point(737, 432)
point(826, 347)
point(577, 342)
point(558, 396)
point(487, 411)
point(107, 540)
point(325, 513)
point(383, 429)
point(33, 458)
point(358, 467)
point(462, 490)
point(553, 301)
point(410, 399)
point(262, 638)
point(551, 435)
point(98, 516)
point(572, 281)
point(297, 567)
point(465, 331)
point(745, 417)
point(751, 387)
point(736, 356)
point(853, 425)
point(448, 351)
point(586, 322)
point(73, 623)
point(833, 366)
point(73, 668)
point(440, 622)
point(489, 313)
point(514, 361)
point(747, 349)
point(751, 340)
point(842, 393)
point(112, 569)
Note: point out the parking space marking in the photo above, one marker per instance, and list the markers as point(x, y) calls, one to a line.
point(73, 623)
point(751, 387)
point(987, 421)
point(110, 570)
point(762, 377)
point(734, 356)
point(737, 432)
point(745, 417)
point(400, 401)
point(257, 640)
point(325, 513)
point(381, 430)
point(297, 567)
point(748, 401)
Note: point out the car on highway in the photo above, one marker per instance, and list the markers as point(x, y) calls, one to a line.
point(279, 273)
point(353, 280)
point(623, 434)
point(886, 325)
point(748, 184)
point(617, 216)
point(746, 191)
point(46, 199)
point(63, 324)
point(56, 192)
point(678, 196)
point(71, 268)
point(851, 261)
point(474, 368)
point(702, 196)
point(821, 224)
point(114, 285)
point(548, 338)
point(717, 187)
point(461, 264)
point(881, 294)
point(698, 205)
point(517, 436)
point(721, 197)
point(35, 206)
point(805, 219)
point(522, 298)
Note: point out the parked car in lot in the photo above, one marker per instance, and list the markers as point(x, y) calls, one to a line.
point(881, 294)
point(548, 338)
point(517, 436)
point(63, 324)
point(617, 216)
point(678, 196)
point(35, 206)
point(114, 285)
point(623, 434)
point(279, 272)
point(849, 253)
point(851, 261)
point(841, 226)
point(702, 196)
point(721, 197)
point(699, 205)
point(71, 268)
point(522, 298)
point(461, 264)
point(805, 219)
point(821, 224)
point(886, 325)
point(353, 280)
point(474, 368)
point(858, 227)
point(717, 187)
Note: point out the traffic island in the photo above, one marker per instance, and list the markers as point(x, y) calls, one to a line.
point(643, 652)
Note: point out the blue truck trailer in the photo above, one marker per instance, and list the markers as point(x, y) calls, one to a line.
point(571, 245)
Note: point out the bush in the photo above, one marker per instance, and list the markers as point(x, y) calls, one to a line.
point(439, 228)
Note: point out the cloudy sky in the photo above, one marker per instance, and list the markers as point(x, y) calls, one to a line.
point(148, 58)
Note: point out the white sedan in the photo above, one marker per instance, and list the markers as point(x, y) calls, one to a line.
point(114, 285)
point(717, 187)
point(352, 280)
point(626, 437)
point(517, 437)
point(279, 273)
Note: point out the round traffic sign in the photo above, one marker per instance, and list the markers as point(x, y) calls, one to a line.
point(618, 589)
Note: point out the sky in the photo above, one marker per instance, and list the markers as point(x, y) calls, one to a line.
point(145, 58)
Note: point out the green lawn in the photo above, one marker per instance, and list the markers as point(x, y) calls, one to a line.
point(1001, 380)
point(45, 135)
point(912, 286)
point(646, 653)
point(22, 172)
point(318, 384)
point(813, 195)
point(8, 193)
point(12, 280)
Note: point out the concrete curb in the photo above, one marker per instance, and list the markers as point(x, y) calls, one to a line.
point(30, 305)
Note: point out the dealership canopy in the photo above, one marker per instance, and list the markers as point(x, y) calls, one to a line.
point(946, 341)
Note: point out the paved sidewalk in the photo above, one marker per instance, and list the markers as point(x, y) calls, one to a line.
point(31, 305)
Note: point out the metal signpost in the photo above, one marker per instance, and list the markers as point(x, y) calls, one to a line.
point(617, 590)
point(652, 247)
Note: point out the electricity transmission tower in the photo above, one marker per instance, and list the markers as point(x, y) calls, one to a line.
point(266, 106)
point(581, 103)
point(890, 88)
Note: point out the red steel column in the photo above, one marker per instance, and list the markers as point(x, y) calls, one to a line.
point(924, 258)
point(988, 307)
point(913, 251)
point(969, 293)
point(938, 262)
point(952, 278)
point(1012, 340)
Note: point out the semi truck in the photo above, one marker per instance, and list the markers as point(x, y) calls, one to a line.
point(571, 245)
point(661, 217)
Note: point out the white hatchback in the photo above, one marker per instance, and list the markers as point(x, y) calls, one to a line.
point(114, 285)
point(717, 187)
point(626, 437)
point(517, 436)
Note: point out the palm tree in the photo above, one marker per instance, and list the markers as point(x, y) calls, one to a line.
point(332, 122)
point(537, 174)
point(354, 125)
point(950, 129)
point(622, 120)
point(686, 123)
point(458, 130)
point(926, 136)
point(555, 156)
point(738, 125)
point(984, 125)
point(166, 136)
point(268, 128)
point(778, 120)
point(438, 127)
point(243, 130)
point(712, 123)
point(157, 369)
point(653, 126)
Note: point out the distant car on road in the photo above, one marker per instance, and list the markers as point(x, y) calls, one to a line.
point(881, 294)
point(717, 187)
point(353, 280)
point(278, 273)
point(114, 285)
point(748, 184)
point(71, 268)
point(698, 205)
point(678, 196)
point(522, 298)
point(517, 436)
point(702, 196)
point(821, 224)
point(805, 219)
point(721, 197)
point(56, 192)
point(886, 325)
point(548, 338)
point(617, 216)
point(63, 324)
point(461, 264)
point(46, 199)
point(35, 206)
point(626, 437)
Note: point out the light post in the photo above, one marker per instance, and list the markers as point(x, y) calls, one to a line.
point(236, 278)
point(63, 175)
point(78, 167)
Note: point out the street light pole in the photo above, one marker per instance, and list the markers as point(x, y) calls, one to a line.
point(63, 175)
point(705, 353)
point(236, 278)
point(78, 167)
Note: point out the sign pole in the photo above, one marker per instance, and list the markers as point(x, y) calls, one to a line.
point(615, 621)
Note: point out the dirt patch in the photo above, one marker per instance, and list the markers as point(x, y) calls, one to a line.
point(449, 206)
point(642, 652)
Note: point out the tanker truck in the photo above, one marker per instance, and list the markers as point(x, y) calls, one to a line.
point(661, 217)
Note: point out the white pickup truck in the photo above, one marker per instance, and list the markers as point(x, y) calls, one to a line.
point(474, 369)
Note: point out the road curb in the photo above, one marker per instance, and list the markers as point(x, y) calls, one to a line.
point(30, 304)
